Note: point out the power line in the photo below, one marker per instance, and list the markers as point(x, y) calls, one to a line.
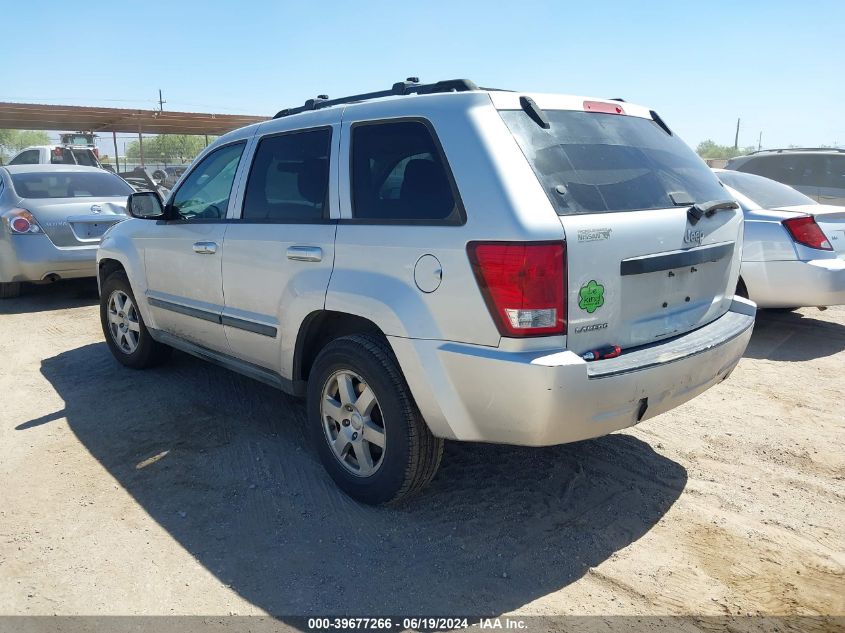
point(150, 101)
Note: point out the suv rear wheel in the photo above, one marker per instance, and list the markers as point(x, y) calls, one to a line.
point(365, 425)
point(128, 338)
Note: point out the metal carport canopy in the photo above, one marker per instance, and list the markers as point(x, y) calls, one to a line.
point(32, 116)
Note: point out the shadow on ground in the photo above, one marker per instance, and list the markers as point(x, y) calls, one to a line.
point(794, 336)
point(223, 464)
point(73, 293)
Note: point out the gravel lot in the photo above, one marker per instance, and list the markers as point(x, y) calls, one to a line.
point(191, 490)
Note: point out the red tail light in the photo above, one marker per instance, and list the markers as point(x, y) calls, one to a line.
point(21, 222)
point(524, 285)
point(804, 230)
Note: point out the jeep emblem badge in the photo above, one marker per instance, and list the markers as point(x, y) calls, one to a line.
point(693, 237)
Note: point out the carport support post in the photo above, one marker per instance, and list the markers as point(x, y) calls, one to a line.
point(141, 146)
point(116, 153)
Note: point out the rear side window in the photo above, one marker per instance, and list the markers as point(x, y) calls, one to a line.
point(790, 169)
point(398, 174)
point(29, 157)
point(62, 156)
point(289, 178)
point(592, 162)
point(70, 185)
point(84, 157)
point(835, 176)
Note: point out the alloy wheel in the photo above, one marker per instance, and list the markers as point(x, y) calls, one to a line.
point(124, 321)
point(353, 423)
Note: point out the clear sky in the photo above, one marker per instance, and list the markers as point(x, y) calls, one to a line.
point(776, 64)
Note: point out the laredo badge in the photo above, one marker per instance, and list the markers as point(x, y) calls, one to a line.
point(591, 296)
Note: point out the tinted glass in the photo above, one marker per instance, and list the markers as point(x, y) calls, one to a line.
point(84, 157)
point(70, 185)
point(835, 176)
point(593, 163)
point(289, 178)
point(62, 156)
point(29, 157)
point(205, 193)
point(766, 193)
point(397, 174)
point(791, 169)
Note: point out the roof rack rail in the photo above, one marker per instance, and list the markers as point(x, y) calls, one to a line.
point(410, 86)
point(798, 149)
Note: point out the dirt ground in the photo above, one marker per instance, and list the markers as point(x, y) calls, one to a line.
point(191, 490)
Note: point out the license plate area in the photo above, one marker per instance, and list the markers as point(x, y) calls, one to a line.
point(90, 231)
point(664, 303)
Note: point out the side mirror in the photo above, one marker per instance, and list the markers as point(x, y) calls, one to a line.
point(146, 205)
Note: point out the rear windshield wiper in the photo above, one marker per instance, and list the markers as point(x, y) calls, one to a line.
point(707, 209)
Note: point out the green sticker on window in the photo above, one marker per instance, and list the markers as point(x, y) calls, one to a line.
point(591, 296)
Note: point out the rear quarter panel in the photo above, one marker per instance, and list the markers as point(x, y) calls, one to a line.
point(374, 263)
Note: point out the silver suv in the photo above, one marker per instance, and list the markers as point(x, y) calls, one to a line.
point(439, 262)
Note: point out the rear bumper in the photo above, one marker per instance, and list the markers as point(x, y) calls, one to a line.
point(34, 257)
point(793, 284)
point(475, 393)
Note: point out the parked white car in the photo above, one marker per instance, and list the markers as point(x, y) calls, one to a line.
point(56, 155)
point(449, 263)
point(794, 248)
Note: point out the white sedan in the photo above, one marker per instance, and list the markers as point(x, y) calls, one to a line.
point(794, 248)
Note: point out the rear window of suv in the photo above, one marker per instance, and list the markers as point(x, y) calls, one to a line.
point(70, 185)
point(592, 162)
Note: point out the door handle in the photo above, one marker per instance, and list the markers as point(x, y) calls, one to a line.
point(205, 248)
point(305, 253)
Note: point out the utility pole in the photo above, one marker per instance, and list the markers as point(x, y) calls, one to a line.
point(736, 138)
point(161, 101)
point(760, 141)
point(116, 152)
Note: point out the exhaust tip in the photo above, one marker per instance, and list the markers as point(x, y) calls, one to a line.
point(51, 277)
point(642, 408)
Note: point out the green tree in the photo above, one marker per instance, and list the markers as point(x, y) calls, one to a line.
point(709, 149)
point(13, 141)
point(168, 148)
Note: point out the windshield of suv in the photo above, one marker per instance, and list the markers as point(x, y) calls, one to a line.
point(592, 162)
point(69, 185)
point(764, 192)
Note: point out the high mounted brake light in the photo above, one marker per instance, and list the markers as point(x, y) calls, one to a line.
point(524, 285)
point(804, 230)
point(602, 107)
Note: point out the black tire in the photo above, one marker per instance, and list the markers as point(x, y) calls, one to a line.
point(149, 352)
point(411, 455)
point(10, 290)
